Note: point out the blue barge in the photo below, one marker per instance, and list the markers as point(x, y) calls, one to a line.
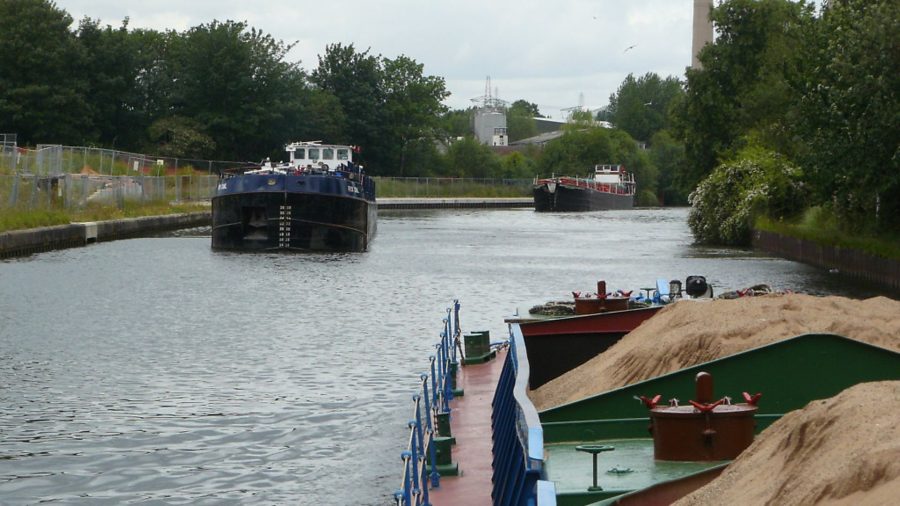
point(320, 200)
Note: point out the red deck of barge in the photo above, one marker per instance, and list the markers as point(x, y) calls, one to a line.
point(470, 424)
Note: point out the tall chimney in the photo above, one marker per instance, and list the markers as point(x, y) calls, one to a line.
point(703, 29)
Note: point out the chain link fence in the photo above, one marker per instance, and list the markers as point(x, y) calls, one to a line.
point(72, 177)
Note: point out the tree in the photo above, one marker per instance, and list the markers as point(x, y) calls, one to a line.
point(470, 158)
point(457, 123)
point(42, 88)
point(667, 155)
point(742, 91)
point(412, 108)
point(520, 120)
point(180, 137)
point(525, 108)
point(515, 165)
point(640, 106)
point(356, 80)
point(757, 182)
point(850, 112)
point(111, 69)
point(234, 81)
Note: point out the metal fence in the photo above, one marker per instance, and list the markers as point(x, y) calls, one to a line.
point(54, 159)
point(76, 191)
point(68, 177)
point(72, 176)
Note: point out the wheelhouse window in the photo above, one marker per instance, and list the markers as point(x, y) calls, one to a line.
point(313, 153)
point(300, 154)
point(327, 153)
point(343, 154)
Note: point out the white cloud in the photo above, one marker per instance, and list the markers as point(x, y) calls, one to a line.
point(546, 52)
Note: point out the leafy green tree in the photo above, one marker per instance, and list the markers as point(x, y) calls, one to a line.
point(757, 182)
point(640, 106)
point(180, 137)
point(412, 108)
point(233, 80)
point(581, 118)
point(742, 91)
point(516, 165)
point(470, 158)
point(526, 108)
point(520, 122)
point(667, 155)
point(423, 159)
point(42, 89)
point(457, 123)
point(356, 80)
point(318, 115)
point(111, 68)
point(387, 103)
point(850, 112)
point(154, 81)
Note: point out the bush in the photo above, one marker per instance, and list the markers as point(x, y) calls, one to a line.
point(646, 198)
point(757, 183)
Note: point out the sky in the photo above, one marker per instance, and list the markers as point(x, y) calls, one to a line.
point(557, 54)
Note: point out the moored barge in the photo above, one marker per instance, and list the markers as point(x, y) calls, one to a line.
point(609, 187)
point(319, 200)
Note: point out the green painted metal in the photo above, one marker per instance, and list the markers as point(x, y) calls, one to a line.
point(443, 424)
point(789, 373)
point(572, 471)
point(478, 347)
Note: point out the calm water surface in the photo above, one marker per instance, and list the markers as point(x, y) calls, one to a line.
point(157, 371)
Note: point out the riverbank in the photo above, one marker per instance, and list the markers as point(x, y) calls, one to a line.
point(26, 242)
point(852, 262)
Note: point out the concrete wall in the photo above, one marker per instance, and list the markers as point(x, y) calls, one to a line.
point(856, 263)
point(27, 242)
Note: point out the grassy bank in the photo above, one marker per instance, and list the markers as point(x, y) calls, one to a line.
point(19, 219)
point(818, 226)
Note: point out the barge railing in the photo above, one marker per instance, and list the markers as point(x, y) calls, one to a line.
point(518, 438)
point(431, 417)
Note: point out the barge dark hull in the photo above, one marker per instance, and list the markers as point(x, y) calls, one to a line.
point(271, 220)
point(574, 199)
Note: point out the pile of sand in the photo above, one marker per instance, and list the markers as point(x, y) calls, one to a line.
point(692, 332)
point(842, 450)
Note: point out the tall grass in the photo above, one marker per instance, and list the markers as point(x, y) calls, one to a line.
point(22, 218)
point(819, 225)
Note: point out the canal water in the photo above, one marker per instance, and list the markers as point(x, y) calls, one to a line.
point(157, 371)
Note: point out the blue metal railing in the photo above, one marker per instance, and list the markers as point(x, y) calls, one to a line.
point(420, 457)
point(518, 445)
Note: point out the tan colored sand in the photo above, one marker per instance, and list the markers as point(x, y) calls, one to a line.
point(839, 451)
point(692, 332)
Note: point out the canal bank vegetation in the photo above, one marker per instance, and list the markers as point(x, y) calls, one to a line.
point(791, 124)
point(21, 219)
point(794, 108)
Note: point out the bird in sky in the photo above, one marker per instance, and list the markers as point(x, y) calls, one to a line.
point(629, 47)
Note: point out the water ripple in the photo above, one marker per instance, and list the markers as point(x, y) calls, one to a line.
point(158, 371)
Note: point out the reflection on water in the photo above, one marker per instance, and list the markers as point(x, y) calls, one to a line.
point(158, 370)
